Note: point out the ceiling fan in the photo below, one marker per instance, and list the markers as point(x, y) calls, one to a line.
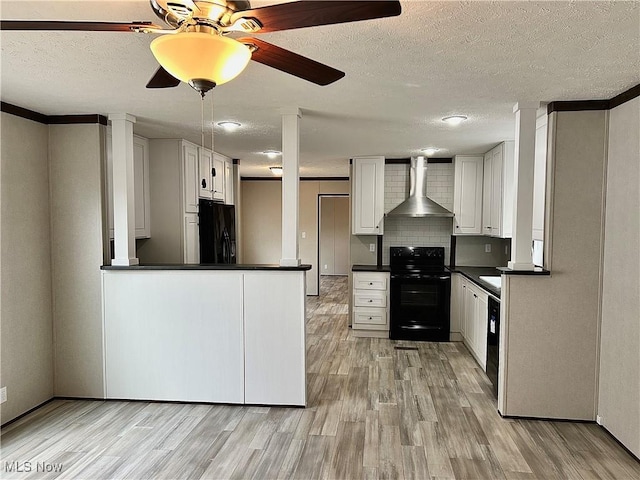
point(204, 46)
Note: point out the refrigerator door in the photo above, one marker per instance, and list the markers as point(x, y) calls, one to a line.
point(217, 233)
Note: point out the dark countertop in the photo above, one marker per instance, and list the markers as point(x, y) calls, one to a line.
point(474, 273)
point(181, 266)
point(370, 268)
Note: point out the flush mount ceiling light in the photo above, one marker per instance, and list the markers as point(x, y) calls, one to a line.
point(276, 170)
point(430, 151)
point(454, 119)
point(182, 56)
point(229, 126)
point(272, 154)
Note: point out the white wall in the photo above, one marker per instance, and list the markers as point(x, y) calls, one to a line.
point(76, 156)
point(25, 313)
point(619, 389)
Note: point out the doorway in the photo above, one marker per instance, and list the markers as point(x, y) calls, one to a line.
point(333, 236)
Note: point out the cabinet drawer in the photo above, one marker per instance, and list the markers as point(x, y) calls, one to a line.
point(370, 282)
point(370, 299)
point(372, 316)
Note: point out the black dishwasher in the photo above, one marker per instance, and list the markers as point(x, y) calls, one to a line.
point(493, 343)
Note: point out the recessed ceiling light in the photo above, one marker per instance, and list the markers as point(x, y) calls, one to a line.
point(272, 153)
point(430, 151)
point(229, 126)
point(276, 170)
point(454, 119)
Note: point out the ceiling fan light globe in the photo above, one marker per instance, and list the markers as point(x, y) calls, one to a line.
point(190, 56)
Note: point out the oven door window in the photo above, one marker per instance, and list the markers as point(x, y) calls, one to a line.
point(420, 295)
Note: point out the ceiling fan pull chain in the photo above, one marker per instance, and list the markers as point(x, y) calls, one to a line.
point(202, 121)
point(212, 122)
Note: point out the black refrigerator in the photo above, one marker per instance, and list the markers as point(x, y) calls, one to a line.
point(217, 232)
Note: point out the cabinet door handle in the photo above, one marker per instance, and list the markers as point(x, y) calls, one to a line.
point(370, 301)
point(370, 283)
point(213, 172)
point(204, 183)
point(370, 318)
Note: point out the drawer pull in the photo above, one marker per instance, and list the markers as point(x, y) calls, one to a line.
point(370, 301)
point(370, 318)
point(370, 283)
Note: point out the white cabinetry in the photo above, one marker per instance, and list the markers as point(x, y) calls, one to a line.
point(539, 178)
point(475, 319)
point(218, 182)
point(467, 194)
point(173, 182)
point(189, 177)
point(498, 188)
point(141, 186)
point(469, 310)
point(206, 178)
point(215, 176)
point(228, 183)
point(367, 196)
point(370, 301)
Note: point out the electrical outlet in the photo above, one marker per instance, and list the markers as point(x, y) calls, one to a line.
point(372, 247)
point(487, 248)
point(3, 394)
point(326, 266)
point(304, 234)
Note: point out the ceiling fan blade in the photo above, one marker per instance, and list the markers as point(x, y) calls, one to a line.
point(286, 16)
point(163, 79)
point(292, 63)
point(51, 25)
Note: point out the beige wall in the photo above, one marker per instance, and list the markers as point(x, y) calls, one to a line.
point(25, 313)
point(470, 251)
point(261, 222)
point(551, 323)
point(76, 155)
point(619, 392)
point(334, 236)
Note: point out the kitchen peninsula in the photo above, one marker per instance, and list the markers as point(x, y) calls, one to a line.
point(205, 333)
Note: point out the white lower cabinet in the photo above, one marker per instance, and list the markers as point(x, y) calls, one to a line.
point(370, 301)
point(469, 310)
point(191, 239)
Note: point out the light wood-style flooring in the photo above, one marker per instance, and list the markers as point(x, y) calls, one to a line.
point(378, 409)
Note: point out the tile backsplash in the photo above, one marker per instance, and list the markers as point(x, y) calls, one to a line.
point(417, 232)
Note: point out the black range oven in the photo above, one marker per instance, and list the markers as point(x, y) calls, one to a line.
point(420, 294)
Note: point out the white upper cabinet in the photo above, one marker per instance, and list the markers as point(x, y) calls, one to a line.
point(367, 185)
point(142, 207)
point(539, 178)
point(205, 185)
point(498, 188)
point(218, 181)
point(228, 183)
point(487, 186)
point(467, 194)
point(190, 174)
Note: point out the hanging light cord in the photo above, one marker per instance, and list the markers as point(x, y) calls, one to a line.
point(202, 122)
point(212, 123)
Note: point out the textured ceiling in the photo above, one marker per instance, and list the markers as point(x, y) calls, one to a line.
point(403, 75)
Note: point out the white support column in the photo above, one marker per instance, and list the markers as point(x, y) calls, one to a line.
point(290, 176)
point(525, 141)
point(124, 224)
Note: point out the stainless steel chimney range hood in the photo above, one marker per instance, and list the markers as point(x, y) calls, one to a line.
point(418, 205)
